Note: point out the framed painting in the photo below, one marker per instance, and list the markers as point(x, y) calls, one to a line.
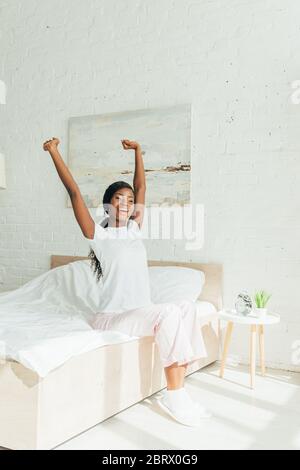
point(96, 157)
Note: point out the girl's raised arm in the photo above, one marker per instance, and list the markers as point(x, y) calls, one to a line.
point(139, 180)
point(81, 212)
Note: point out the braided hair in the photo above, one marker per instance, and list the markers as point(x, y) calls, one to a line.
point(107, 197)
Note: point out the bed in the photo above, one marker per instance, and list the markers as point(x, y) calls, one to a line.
point(43, 412)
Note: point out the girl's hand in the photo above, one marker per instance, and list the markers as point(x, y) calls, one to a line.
point(130, 144)
point(51, 144)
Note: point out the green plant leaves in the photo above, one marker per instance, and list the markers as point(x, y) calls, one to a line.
point(261, 298)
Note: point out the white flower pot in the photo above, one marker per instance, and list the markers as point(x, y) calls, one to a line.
point(261, 312)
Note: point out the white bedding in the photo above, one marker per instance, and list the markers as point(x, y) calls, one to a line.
point(46, 322)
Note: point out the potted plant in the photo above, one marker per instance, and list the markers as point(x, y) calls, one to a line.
point(261, 299)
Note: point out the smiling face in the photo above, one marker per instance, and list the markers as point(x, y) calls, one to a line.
point(122, 204)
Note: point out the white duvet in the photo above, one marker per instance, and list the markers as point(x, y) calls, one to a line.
point(46, 321)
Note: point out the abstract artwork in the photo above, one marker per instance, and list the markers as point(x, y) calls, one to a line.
point(97, 158)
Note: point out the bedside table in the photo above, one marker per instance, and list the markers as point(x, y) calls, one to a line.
point(257, 325)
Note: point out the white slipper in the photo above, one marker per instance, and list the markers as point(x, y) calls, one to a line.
point(183, 417)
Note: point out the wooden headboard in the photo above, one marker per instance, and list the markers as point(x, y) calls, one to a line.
point(213, 287)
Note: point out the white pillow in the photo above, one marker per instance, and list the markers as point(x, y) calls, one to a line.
point(175, 283)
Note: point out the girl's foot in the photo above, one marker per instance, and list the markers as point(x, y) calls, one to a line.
point(179, 405)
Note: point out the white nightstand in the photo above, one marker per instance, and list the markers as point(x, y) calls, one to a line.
point(256, 326)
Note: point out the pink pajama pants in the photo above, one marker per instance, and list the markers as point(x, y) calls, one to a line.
point(176, 328)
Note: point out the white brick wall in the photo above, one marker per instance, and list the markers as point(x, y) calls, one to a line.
point(234, 60)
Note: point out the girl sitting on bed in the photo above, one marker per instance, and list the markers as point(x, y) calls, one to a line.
point(119, 259)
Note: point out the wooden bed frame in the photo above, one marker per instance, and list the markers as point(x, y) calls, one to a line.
point(41, 413)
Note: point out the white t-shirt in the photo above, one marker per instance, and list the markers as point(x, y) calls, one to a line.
point(125, 282)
